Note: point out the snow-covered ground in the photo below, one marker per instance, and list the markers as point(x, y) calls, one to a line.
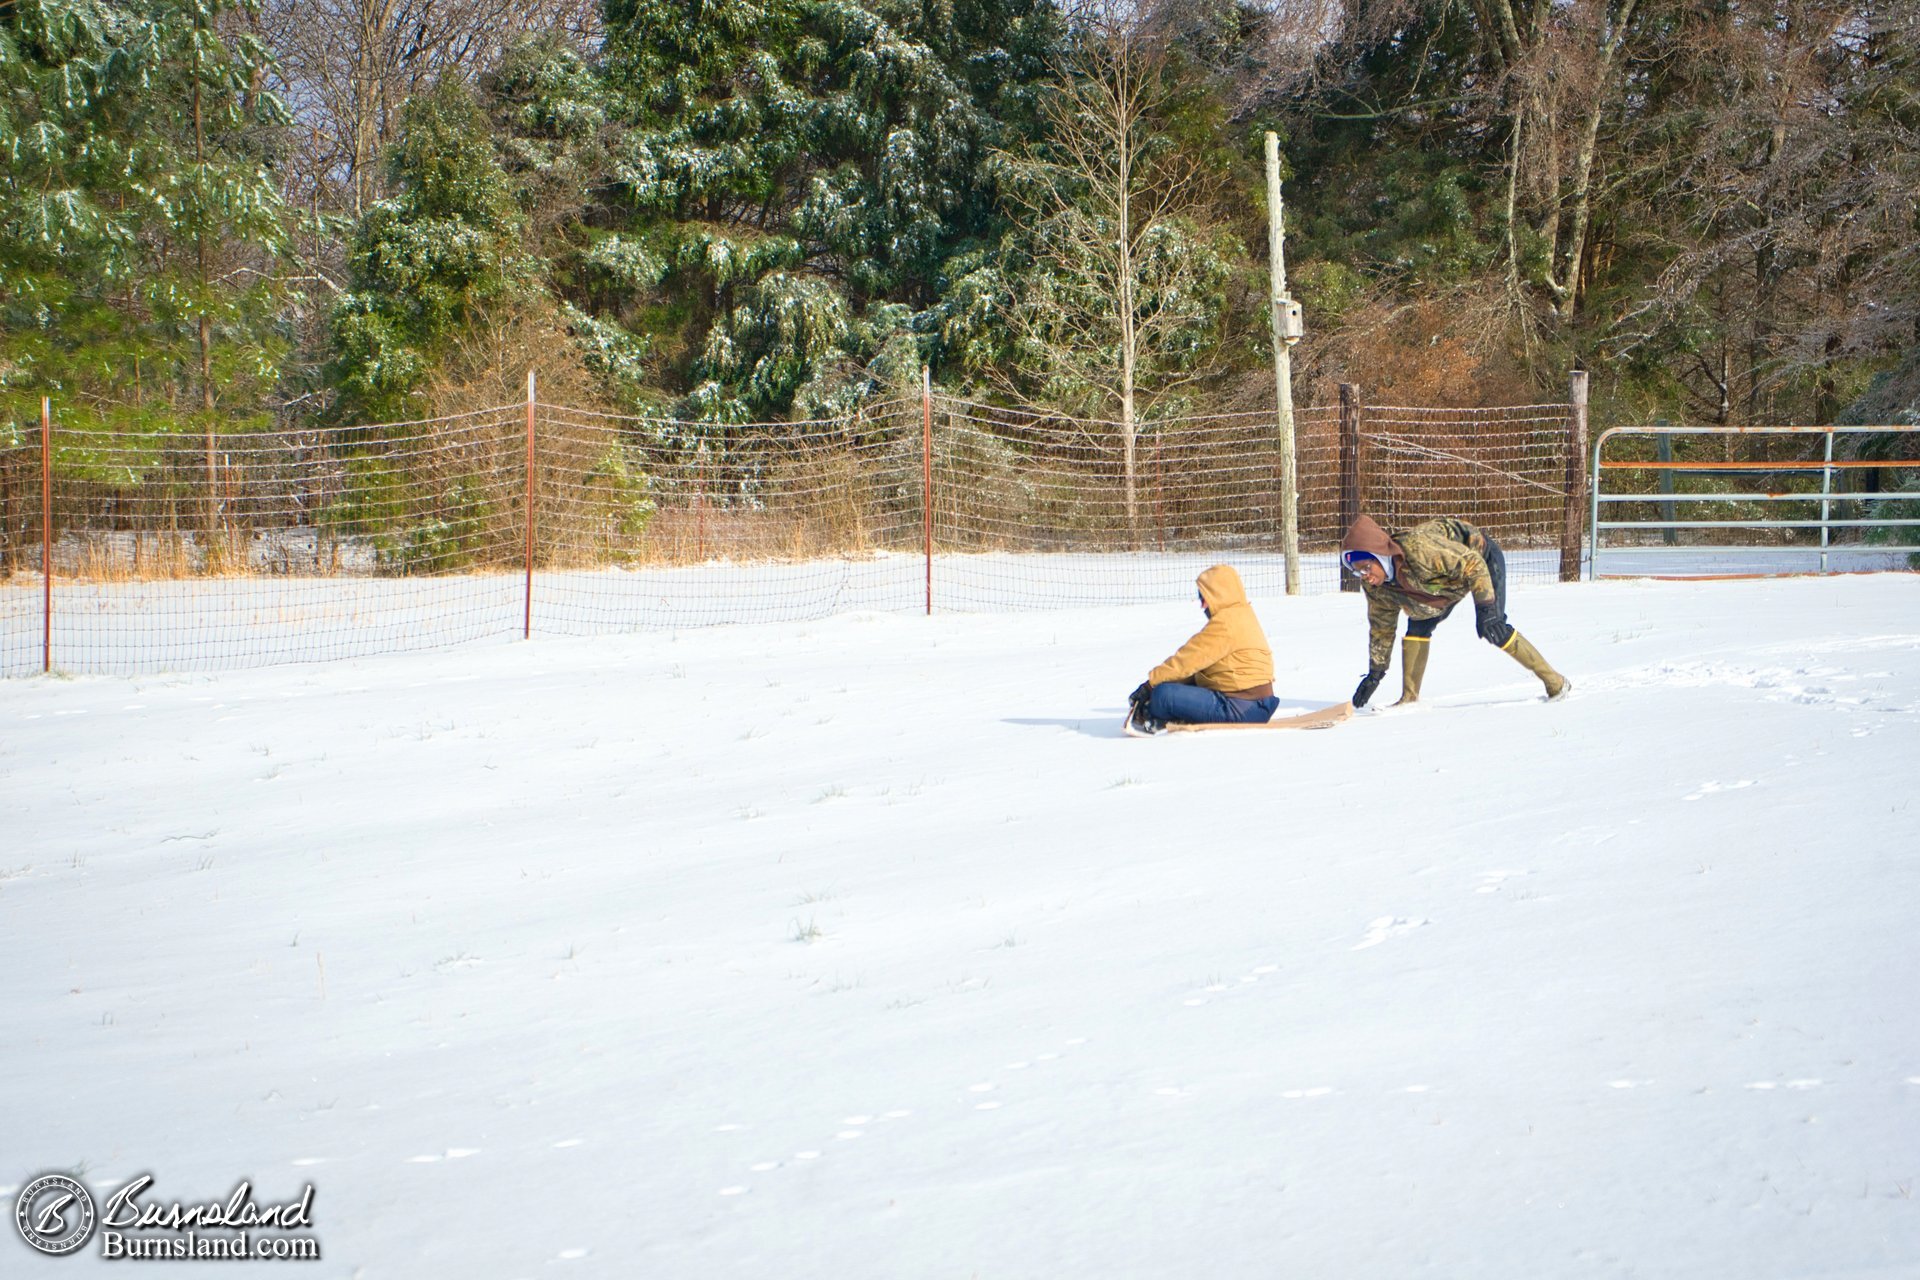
point(866, 947)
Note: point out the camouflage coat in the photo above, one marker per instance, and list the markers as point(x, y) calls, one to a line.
point(1437, 564)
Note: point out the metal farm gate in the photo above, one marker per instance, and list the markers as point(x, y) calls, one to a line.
point(1754, 501)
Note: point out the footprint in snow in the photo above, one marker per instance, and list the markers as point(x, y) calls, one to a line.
point(1387, 927)
point(1491, 881)
point(1713, 788)
point(1247, 979)
point(1023, 1064)
point(858, 1126)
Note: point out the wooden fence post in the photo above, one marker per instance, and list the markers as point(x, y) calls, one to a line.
point(1573, 522)
point(1350, 410)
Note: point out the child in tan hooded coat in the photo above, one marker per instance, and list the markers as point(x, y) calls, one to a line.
point(1224, 674)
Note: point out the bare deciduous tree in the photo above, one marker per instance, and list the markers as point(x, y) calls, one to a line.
point(1265, 51)
point(1794, 157)
point(1124, 290)
point(1562, 69)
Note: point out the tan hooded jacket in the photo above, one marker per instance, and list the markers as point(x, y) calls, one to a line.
point(1230, 654)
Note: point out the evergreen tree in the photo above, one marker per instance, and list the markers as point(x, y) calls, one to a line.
point(792, 179)
point(429, 260)
point(140, 218)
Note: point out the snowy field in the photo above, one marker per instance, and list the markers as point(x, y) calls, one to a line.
point(866, 947)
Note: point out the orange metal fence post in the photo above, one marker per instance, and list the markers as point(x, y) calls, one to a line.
point(526, 631)
point(46, 535)
point(926, 474)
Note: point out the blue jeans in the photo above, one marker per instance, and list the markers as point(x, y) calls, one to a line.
point(1191, 703)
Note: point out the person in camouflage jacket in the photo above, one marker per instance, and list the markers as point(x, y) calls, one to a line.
point(1424, 573)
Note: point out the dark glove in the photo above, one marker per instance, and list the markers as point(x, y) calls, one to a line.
point(1139, 696)
point(1368, 685)
point(1491, 623)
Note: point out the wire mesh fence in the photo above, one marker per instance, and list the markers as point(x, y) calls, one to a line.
point(172, 552)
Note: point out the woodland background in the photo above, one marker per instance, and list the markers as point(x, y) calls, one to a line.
point(317, 212)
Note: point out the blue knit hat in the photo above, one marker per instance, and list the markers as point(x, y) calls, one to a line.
point(1354, 559)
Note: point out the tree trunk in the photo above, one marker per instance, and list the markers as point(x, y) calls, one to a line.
point(206, 323)
point(1515, 297)
point(1129, 332)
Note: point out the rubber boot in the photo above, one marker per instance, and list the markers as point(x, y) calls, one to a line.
point(1413, 668)
point(1523, 652)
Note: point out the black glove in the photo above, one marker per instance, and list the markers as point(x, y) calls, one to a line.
point(1368, 685)
point(1139, 696)
point(1491, 623)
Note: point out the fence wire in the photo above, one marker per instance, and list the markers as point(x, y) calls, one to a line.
point(177, 552)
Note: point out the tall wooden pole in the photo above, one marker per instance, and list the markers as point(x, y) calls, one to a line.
point(1285, 334)
point(526, 628)
point(926, 475)
point(46, 535)
point(1573, 521)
